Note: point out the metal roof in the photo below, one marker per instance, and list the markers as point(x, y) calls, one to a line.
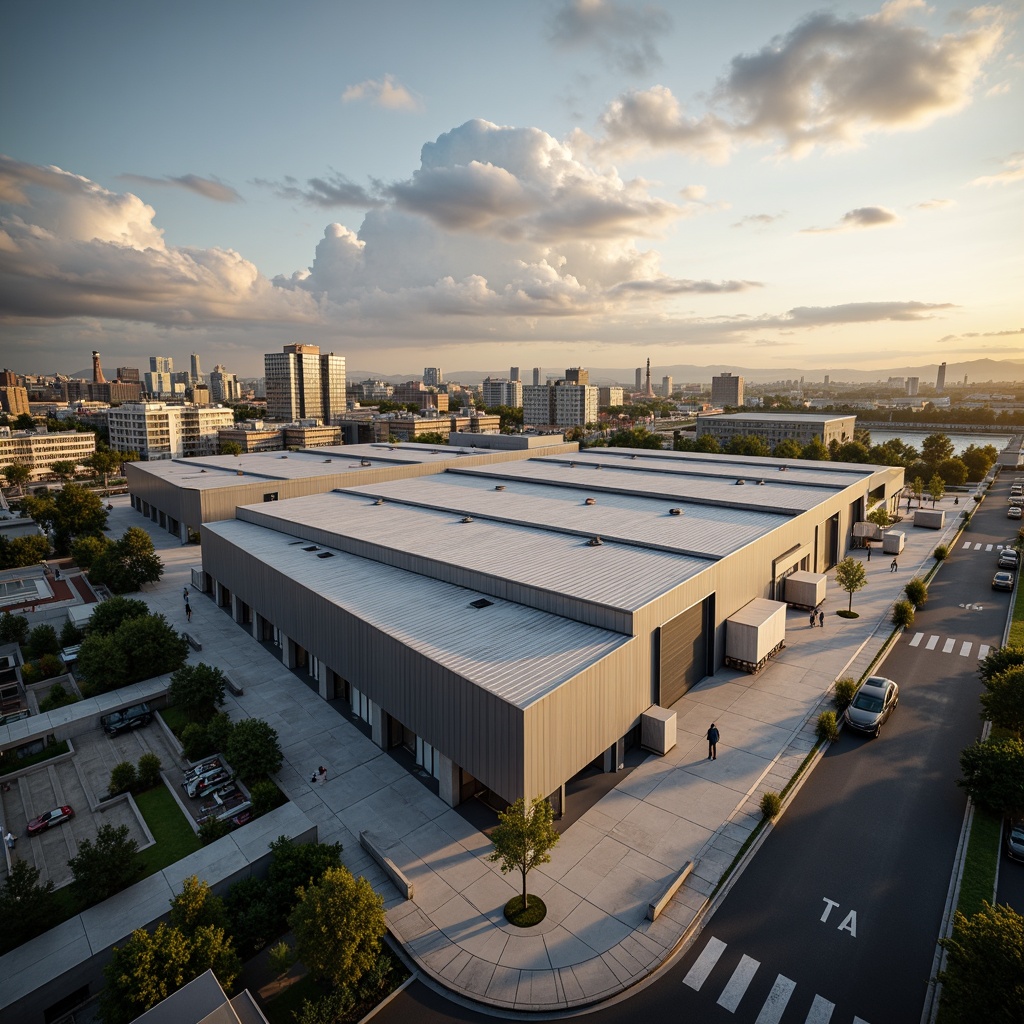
point(517, 653)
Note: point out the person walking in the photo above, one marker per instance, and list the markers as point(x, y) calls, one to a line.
point(812, 618)
point(185, 595)
point(894, 565)
point(712, 742)
point(821, 619)
point(188, 611)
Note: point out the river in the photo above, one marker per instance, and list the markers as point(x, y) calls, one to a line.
point(960, 441)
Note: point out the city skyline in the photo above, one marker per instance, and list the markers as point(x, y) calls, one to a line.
point(556, 184)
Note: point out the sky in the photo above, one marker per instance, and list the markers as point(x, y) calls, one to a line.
point(478, 185)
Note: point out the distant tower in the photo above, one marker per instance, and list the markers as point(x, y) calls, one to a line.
point(826, 380)
point(197, 373)
point(648, 390)
point(536, 376)
point(940, 380)
point(513, 373)
point(97, 370)
point(912, 386)
point(432, 376)
point(638, 383)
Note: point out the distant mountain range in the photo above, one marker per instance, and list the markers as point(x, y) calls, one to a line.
point(977, 371)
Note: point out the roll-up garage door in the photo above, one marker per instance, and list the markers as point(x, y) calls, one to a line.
point(682, 654)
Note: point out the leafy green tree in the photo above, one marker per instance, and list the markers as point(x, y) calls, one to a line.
point(86, 551)
point(139, 648)
point(637, 437)
point(253, 750)
point(27, 907)
point(511, 419)
point(123, 777)
point(524, 838)
point(338, 924)
point(953, 472)
point(1002, 703)
point(983, 980)
point(106, 866)
point(993, 775)
point(108, 616)
point(880, 516)
point(265, 797)
point(432, 437)
point(999, 660)
point(103, 462)
point(708, 444)
point(42, 640)
point(13, 628)
point(73, 511)
point(128, 563)
point(254, 914)
point(851, 577)
point(978, 460)
point(18, 551)
point(787, 448)
point(917, 489)
point(151, 966)
point(70, 634)
point(149, 770)
point(24, 421)
point(893, 452)
point(815, 451)
point(63, 470)
point(197, 690)
point(748, 444)
point(17, 475)
point(197, 906)
point(229, 448)
point(295, 864)
point(851, 451)
point(936, 488)
point(936, 448)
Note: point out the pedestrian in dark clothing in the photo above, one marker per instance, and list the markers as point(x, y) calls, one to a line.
point(812, 619)
point(321, 774)
point(821, 619)
point(185, 595)
point(893, 566)
point(188, 611)
point(869, 552)
point(712, 742)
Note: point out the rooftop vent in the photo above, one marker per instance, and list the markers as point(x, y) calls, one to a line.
point(760, 483)
point(594, 542)
point(572, 465)
point(590, 501)
point(202, 471)
point(739, 483)
point(364, 462)
point(499, 487)
point(311, 547)
point(467, 519)
point(292, 543)
point(326, 554)
point(632, 456)
point(782, 469)
point(240, 472)
point(327, 460)
point(379, 501)
point(480, 602)
point(282, 456)
point(675, 511)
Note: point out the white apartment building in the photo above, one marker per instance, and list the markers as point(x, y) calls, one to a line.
point(303, 384)
point(499, 391)
point(159, 431)
point(774, 428)
point(38, 451)
point(560, 404)
point(610, 396)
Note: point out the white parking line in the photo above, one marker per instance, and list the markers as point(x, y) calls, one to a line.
point(917, 639)
point(983, 651)
point(741, 978)
point(948, 645)
point(775, 1004)
point(704, 964)
point(820, 1012)
point(932, 641)
point(965, 649)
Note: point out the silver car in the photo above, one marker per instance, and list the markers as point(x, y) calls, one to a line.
point(873, 704)
point(1015, 839)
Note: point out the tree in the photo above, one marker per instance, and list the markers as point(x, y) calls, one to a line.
point(936, 488)
point(787, 448)
point(851, 577)
point(108, 615)
point(63, 470)
point(151, 966)
point(815, 451)
point(229, 448)
point(638, 437)
point(73, 511)
point(139, 648)
point(1002, 703)
point(103, 462)
point(432, 437)
point(708, 444)
point(197, 690)
point(338, 924)
point(27, 908)
point(935, 448)
point(24, 421)
point(524, 837)
point(953, 472)
point(197, 906)
point(106, 866)
point(123, 777)
point(917, 592)
point(917, 489)
point(253, 750)
point(13, 628)
point(851, 451)
point(296, 864)
point(903, 614)
point(128, 563)
point(880, 516)
point(999, 660)
point(18, 551)
point(993, 775)
point(149, 770)
point(42, 640)
point(983, 980)
point(978, 460)
point(86, 551)
point(748, 444)
point(17, 476)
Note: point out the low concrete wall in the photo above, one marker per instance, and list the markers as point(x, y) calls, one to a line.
point(655, 909)
point(401, 883)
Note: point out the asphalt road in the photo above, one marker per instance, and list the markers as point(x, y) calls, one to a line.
point(837, 916)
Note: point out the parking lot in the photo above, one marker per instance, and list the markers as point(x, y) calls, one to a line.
point(81, 780)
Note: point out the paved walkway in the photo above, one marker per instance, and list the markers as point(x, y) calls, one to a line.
point(617, 858)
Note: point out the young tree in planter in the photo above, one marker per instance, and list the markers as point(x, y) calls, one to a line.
point(994, 775)
point(903, 614)
point(936, 488)
point(105, 867)
point(917, 592)
point(197, 690)
point(880, 516)
point(524, 838)
point(128, 563)
point(851, 577)
point(917, 489)
point(1003, 700)
point(253, 749)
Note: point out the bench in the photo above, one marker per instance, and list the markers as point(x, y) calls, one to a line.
point(192, 642)
point(655, 909)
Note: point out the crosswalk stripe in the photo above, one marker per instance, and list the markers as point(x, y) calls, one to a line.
point(775, 1004)
point(917, 639)
point(704, 964)
point(858, 1020)
point(948, 645)
point(932, 641)
point(977, 547)
point(983, 651)
point(967, 545)
point(965, 648)
point(820, 1012)
point(741, 978)
point(988, 547)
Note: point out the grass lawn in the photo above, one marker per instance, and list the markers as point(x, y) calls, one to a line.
point(174, 718)
point(171, 830)
point(979, 878)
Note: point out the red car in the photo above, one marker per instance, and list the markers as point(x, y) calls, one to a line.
point(55, 817)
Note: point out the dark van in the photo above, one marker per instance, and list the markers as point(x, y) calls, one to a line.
point(127, 718)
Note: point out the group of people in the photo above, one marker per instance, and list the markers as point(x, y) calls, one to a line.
point(817, 615)
point(188, 607)
point(320, 775)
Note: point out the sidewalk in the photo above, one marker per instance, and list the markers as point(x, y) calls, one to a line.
point(621, 855)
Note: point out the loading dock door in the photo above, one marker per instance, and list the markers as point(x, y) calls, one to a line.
point(683, 654)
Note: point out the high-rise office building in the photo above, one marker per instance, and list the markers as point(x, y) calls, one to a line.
point(577, 375)
point(638, 383)
point(161, 364)
point(432, 376)
point(940, 379)
point(128, 374)
point(912, 385)
point(303, 384)
point(496, 391)
point(223, 385)
point(726, 390)
point(536, 376)
point(513, 373)
point(197, 373)
point(666, 387)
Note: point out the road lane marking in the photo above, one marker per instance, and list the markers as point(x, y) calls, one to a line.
point(775, 1004)
point(965, 648)
point(983, 651)
point(948, 645)
point(917, 639)
point(704, 964)
point(820, 1012)
point(988, 547)
point(932, 641)
point(977, 547)
point(858, 1020)
point(967, 545)
point(741, 978)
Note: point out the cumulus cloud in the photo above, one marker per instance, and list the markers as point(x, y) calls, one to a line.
point(1011, 173)
point(626, 36)
point(332, 190)
point(862, 217)
point(829, 82)
point(385, 92)
point(209, 188)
